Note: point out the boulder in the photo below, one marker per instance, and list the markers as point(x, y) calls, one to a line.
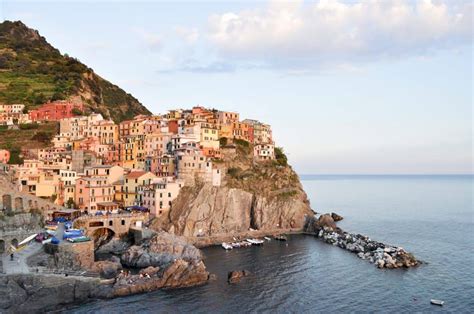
point(237, 275)
point(160, 251)
point(326, 221)
point(150, 271)
point(114, 246)
point(336, 217)
point(106, 269)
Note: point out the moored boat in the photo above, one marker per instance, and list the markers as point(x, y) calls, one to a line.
point(226, 246)
point(437, 302)
point(255, 241)
point(280, 237)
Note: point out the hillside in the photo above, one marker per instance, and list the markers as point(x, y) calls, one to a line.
point(33, 72)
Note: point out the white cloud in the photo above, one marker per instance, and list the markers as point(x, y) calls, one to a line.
point(299, 35)
point(190, 35)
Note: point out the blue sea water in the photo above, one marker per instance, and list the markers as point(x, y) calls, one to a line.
point(430, 216)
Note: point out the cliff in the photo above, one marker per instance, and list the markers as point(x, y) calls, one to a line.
point(33, 72)
point(264, 197)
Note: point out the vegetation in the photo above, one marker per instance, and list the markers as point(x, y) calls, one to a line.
point(280, 157)
point(33, 72)
point(70, 203)
point(28, 126)
point(15, 158)
point(223, 141)
point(24, 137)
point(43, 137)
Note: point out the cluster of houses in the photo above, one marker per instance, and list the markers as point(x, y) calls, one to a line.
point(96, 165)
point(54, 111)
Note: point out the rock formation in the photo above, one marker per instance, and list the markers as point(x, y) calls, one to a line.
point(264, 196)
point(237, 275)
point(381, 254)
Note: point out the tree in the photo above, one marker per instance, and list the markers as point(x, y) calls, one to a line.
point(70, 203)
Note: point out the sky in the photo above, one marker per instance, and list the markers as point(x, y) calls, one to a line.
point(371, 87)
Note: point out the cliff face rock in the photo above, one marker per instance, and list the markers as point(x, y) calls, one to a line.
point(266, 196)
point(210, 211)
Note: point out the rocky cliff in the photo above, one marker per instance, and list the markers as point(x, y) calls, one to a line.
point(260, 196)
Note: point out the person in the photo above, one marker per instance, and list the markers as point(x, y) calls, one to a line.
point(11, 256)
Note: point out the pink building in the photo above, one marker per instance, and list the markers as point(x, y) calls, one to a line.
point(93, 194)
point(54, 111)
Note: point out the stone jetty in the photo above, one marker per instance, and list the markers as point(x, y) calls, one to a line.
point(380, 254)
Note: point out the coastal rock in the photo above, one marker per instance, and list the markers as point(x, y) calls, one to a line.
point(382, 255)
point(179, 274)
point(336, 217)
point(40, 293)
point(237, 275)
point(160, 251)
point(106, 269)
point(326, 221)
point(114, 246)
point(151, 271)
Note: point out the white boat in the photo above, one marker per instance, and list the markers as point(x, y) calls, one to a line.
point(227, 246)
point(437, 302)
point(267, 238)
point(255, 241)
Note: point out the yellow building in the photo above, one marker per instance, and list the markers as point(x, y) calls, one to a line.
point(132, 182)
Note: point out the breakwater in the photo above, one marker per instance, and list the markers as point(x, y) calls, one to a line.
point(381, 254)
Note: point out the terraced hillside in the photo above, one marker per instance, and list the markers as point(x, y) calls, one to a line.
point(33, 72)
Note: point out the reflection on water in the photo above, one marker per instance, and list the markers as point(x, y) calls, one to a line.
point(431, 218)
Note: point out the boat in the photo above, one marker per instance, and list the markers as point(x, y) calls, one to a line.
point(226, 246)
point(255, 241)
point(281, 237)
point(79, 239)
point(437, 302)
point(267, 238)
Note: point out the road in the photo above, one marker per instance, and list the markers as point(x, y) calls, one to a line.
point(18, 264)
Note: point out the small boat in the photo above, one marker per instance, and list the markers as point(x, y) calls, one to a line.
point(281, 237)
point(267, 238)
point(255, 241)
point(437, 302)
point(227, 246)
point(79, 239)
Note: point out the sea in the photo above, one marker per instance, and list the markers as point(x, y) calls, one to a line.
point(430, 216)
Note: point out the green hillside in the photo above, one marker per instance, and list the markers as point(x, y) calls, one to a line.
point(33, 72)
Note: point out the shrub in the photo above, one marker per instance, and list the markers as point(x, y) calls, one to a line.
point(233, 172)
point(28, 126)
point(242, 143)
point(280, 156)
point(43, 137)
point(77, 112)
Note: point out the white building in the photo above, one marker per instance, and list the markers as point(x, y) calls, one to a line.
point(159, 195)
point(262, 152)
